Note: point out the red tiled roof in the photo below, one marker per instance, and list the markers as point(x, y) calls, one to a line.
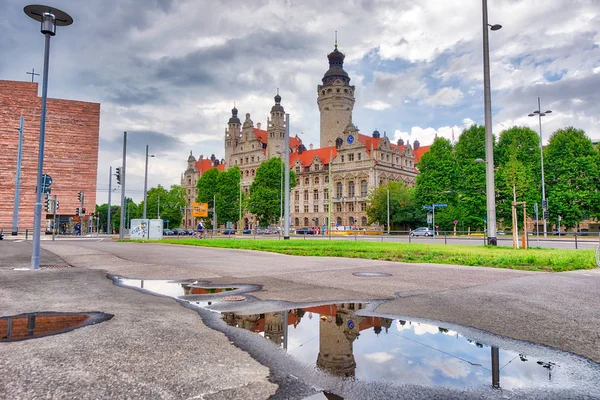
point(307, 156)
point(328, 309)
point(420, 151)
point(204, 165)
point(367, 141)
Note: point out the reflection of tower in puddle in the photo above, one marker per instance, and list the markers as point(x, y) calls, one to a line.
point(274, 324)
point(336, 335)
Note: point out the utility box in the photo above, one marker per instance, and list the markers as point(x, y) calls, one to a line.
point(146, 229)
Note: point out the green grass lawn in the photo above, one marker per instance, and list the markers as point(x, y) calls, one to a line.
point(498, 257)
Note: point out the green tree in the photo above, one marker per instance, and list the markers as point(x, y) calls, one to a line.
point(166, 204)
point(228, 195)
point(404, 212)
point(207, 190)
point(572, 172)
point(470, 203)
point(265, 191)
point(518, 160)
point(437, 181)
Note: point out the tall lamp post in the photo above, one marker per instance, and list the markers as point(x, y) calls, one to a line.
point(146, 184)
point(49, 18)
point(541, 114)
point(489, 139)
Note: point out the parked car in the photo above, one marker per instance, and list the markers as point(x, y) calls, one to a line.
point(305, 231)
point(423, 231)
point(584, 232)
point(247, 231)
point(168, 232)
point(561, 233)
point(500, 232)
point(228, 232)
point(262, 231)
point(179, 232)
point(190, 232)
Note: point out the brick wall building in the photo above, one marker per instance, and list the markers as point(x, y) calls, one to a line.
point(70, 152)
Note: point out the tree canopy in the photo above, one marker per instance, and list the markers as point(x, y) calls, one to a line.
point(404, 212)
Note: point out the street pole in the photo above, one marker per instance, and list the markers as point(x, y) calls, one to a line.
point(281, 197)
point(240, 224)
point(214, 214)
point(15, 226)
point(330, 191)
point(286, 207)
point(123, 174)
point(489, 140)
point(433, 219)
point(539, 113)
point(109, 192)
point(158, 207)
point(145, 184)
point(49, 19)
point(54, 217)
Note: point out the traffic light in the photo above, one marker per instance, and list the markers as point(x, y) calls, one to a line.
point(83, 211)
point(78, 211)
point(80, 196)
point(118, 174)
point(56, 205)
point(48, 204)
point(544, 204)
point(546, 214)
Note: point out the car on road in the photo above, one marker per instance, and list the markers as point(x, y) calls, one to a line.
point(422, 231)
point(500, 232)
point(262, 231)
point(228, 232)
point(305, 231)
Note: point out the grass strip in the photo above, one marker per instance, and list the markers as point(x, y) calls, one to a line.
point(533, 259)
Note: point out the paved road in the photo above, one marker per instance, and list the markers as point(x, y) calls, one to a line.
point(155, 348)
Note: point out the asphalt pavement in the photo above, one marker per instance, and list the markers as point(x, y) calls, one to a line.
point(154, 348)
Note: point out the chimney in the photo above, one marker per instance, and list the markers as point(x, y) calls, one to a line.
point(258, 124)
point(416, 144)
point(310, 146)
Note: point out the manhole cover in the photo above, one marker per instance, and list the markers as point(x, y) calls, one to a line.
point(39, 324)
point(234, 298)
point(371, 274)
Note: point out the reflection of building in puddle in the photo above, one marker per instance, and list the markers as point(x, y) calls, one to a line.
point(190, 290)
point(271, 324)
point(339, 327)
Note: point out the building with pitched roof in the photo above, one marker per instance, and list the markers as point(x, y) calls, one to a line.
point(333, 181)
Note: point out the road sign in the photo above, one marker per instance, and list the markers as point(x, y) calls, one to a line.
point(535, 208)
point(440, 205)
point(455, 222)
point(429, 218)
point(200, 209)
point(350, 324)
point(428, 207)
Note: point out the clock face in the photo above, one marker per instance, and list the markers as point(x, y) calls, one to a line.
point(350, 139)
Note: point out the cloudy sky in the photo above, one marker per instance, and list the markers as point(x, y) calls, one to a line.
point(169, 71)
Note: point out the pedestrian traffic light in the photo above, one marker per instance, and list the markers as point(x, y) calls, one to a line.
point(546, 214)
point(118, 174)
point(83, 211)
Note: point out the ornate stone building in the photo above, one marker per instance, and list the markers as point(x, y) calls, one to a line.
point(333, 181)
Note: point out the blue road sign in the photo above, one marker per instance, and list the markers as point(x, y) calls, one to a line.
point(440, 205)
point(350, 324)
point(428, 207)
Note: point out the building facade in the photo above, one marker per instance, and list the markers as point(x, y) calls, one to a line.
point(333, 181)
point(70, 153)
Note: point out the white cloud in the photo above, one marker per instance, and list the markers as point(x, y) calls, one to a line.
point(378, 105)
point(379, 357)
point(445, 97)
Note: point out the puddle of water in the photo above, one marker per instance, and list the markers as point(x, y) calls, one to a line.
point(174, 288)
point(334, 339)
point(35, 325)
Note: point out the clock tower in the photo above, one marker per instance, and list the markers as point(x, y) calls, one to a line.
point(335, 98)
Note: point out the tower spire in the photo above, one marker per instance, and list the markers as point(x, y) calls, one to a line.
point(336, 40)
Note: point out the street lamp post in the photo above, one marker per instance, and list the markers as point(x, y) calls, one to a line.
point(489, 139)
point(49, 19)
point(541, 114)
point(146, 184)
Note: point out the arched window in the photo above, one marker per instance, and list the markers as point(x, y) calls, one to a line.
point(305, 196)
point(305, 221)
point(316, 182)
point(296, 221)
point(351, 220)
point(247, 173)
point(338, 190)
point(306, 182)
point(363, 221)
point(252, 175)
point(339, 221)
point(351, 189)
point(363, 188)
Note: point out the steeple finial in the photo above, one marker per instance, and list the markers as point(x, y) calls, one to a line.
point(335, 40)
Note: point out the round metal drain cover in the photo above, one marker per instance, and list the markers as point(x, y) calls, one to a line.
point(371, 274)
point(234, 298)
